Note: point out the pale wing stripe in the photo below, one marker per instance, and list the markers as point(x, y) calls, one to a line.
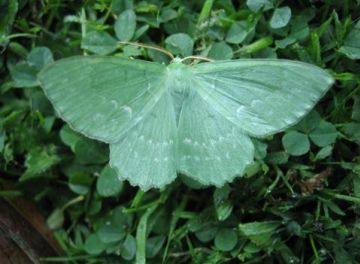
point(259, 86)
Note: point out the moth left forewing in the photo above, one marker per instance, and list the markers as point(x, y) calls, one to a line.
point(261, 96)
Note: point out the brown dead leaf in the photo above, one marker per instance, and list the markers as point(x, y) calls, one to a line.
point(316, 182)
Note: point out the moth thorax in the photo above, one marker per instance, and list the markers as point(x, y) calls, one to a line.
point(180, 86)
point(178, 79)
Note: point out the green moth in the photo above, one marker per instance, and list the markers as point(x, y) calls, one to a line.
point(160, 120)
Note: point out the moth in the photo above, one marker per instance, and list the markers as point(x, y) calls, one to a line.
point(194, 119)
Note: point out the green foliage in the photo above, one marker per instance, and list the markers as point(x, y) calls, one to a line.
point(351, 47)
point(280, 17)
point(125, 25)
point(24, 73)
point(108, 183)
point(226, 239)
point(180, 44)
point(296, 143)
point(259, 233)
point(8, 9)
point(288, 208)
point(99, 42)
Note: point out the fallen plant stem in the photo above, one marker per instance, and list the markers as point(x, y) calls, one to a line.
point(147, 47)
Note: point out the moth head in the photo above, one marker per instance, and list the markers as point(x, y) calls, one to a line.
point(176, 60)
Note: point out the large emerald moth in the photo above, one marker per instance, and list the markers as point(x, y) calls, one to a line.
point(194, 119)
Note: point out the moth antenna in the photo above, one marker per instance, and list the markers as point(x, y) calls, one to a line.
point(148, 47)
point(196, 58)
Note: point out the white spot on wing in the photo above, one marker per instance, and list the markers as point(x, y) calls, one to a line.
point(187, 141)
point(148, 88)
point(114, 104)
point(128, 110)
point(187, 157)
point(138, 119)
point(255, 103)
point(241, 110)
